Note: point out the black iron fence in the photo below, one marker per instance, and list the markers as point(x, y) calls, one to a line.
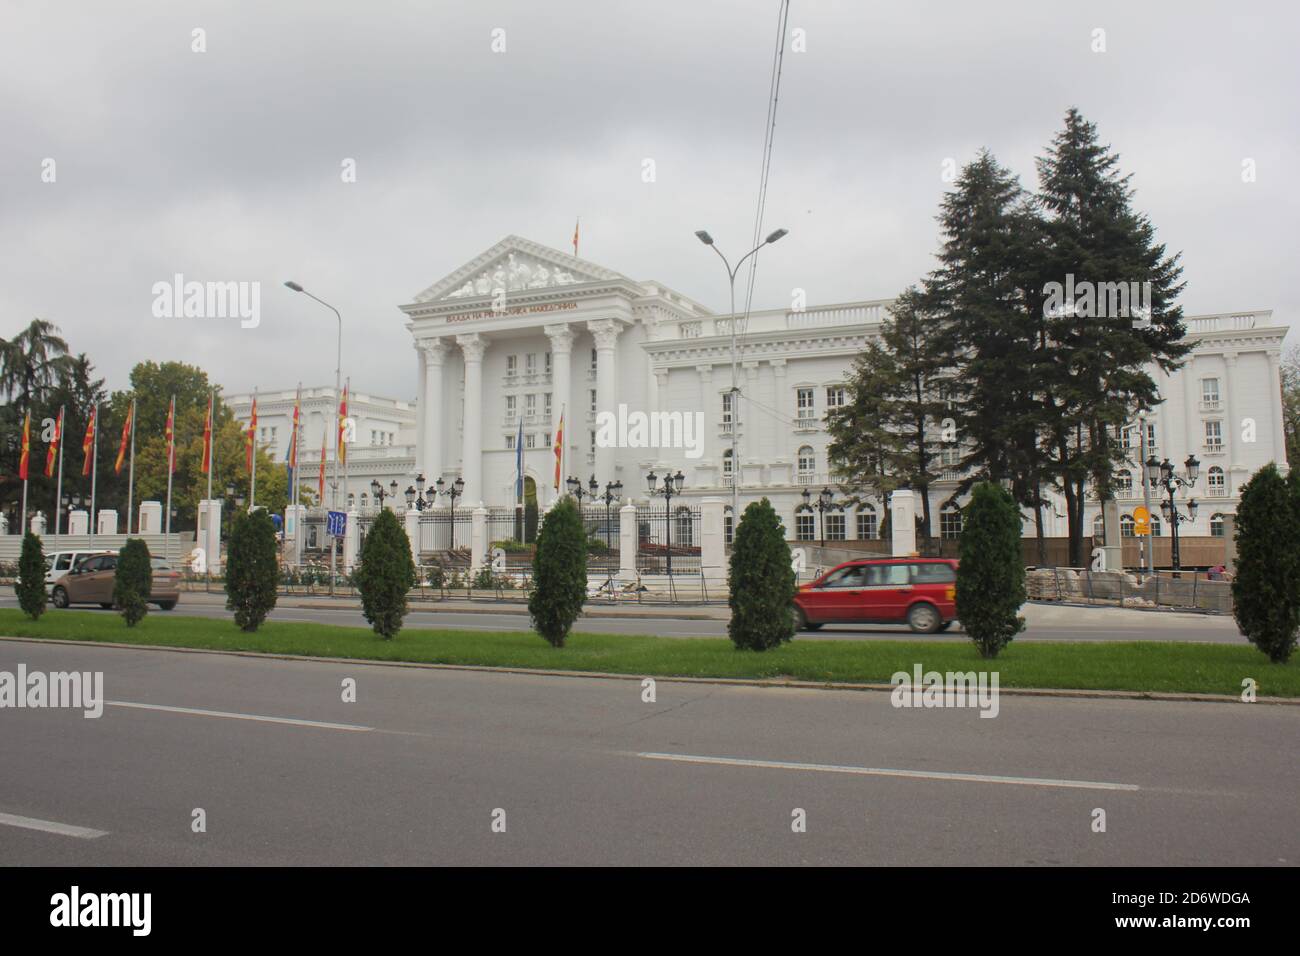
point(668, 542)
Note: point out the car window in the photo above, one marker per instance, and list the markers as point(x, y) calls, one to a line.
point(887, 575)
point(108, 562)
point(62, 562)
point(851, 577)
point(87, 564)
point(933, 573)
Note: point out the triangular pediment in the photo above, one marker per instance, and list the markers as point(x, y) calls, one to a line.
point(516, 265)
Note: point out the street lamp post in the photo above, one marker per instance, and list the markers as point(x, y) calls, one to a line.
point(1161, 474)
point(575, 488)
point(613, 491)
point(452, 491)
point(338, 387)
point(707, 239)
point(672, 486)
point(379, 494)
point(824, 504)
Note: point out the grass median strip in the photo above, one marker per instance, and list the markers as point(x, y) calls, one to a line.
point(1150, 666)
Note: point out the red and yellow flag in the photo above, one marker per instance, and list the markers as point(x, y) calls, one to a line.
point(559, 450)
point(207, 439)
point(320, 490)
point(343, 417)
point(171, 436)
point(126, 438)
point(250, 438)
point(53, 451)
point(576, 222)
point(293, 439)
point(88, 442)
point(27, 447)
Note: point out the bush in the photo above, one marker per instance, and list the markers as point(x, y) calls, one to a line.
point(133, 581)
point(385, 574)
point(762, 581)
point(1266, 588)
point(559, 573)
point(991, 577)
point(252, 572)
point(530, 522)
point(436, 576)
point(31, 577)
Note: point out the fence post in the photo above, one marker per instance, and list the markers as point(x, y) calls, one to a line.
point(477, 539)
point(627, 543)
point(713, 543)
point(412, 522)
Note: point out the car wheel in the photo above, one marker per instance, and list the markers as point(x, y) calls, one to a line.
point(59, 597)
point(923, 618)
point(166, 605)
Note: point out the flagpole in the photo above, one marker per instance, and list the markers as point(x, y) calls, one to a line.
point(252, 465)
point(347, 465)
point(58, 489)
point(212, 449)
point(293, 475)
point(130, 473)
point(94, 470)
point(171, 461)
point(22, 527)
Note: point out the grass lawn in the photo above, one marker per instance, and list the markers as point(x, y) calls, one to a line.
point(1150, 666)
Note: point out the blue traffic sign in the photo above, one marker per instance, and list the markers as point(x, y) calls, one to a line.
point(337, 523)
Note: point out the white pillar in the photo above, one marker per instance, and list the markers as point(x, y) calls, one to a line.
point(478, 538)
point(38, 523)
point(351, 539)
point(902, 522)
point(431, 434)
point(473, 346)
point(606, 332)
point(627, 543)
point(713, 540)
point(421, 407)
point(150, 521)
point(561, 337)
point(295, 530)
point(107, 523)
point(1230, 429)
point(412, 523)
point(209, 532)
point(79, 522)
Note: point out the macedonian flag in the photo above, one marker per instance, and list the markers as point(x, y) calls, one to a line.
point(88, 442)
point(52, 452)
point(27, 449)
point(126, 439)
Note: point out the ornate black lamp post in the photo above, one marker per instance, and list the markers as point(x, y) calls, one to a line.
point(613, 491)
point(452, 491)
point(824, 504)
point(1161, 474)
point(379, 494)
point(671, 487)
point(579, 492)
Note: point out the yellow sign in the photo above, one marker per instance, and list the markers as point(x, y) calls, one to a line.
point(1141, 521)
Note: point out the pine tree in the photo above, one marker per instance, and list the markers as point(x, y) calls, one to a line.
point(133, 581)
point(991, 574)
point(1266, 588)
point(1100, 378)
point(31, 577)
point(559, 573)
point(761, 581)
point(252, 571)
point(385, 574)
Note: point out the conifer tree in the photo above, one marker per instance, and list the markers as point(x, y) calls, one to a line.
point(761, 581)
point(31, 577)
point(133, 581)
point(252, 572)
point(1266, 587)
point(991, 575)
point(385, 574)
point(559, 573)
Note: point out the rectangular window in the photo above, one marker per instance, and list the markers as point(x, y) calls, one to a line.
point(530, 363)
point(510, 442)
point(1214, 435)
point(866, 525)
point(835, 527)
point(548, 363)
point(530, 441)
point(1151, 439)
point(512, 365)
point(807, 404)
point(1210, 391)
point(803, 523)
point(726, 408)
point(546, 404)
point(836, 397)
point(546, 440)
point(593, 401)
point(950, 524)
point(510, 406)
point(530, 405)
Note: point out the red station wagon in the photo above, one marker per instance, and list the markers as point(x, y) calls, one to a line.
point(919, 591)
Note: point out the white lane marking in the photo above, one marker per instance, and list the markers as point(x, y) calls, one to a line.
point(50, 826)
point(320, 725)
point(887, 772)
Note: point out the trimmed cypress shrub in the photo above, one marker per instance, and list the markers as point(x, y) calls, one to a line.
point(761, 580)
point(385, 573)
point(559, 573)
point(30, 587)
point(252, 572)
point(1266, 587)
point(133, 581)
point(991, 576)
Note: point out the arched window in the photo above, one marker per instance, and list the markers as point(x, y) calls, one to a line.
point(1124, 482)
point(950, 522)
point(1099, 526)
point(684, 527)
point(352, 500)
point(1126, 526)
point(805, 527)
point(807, 463)
point(1216, 526)
point(1155, 526)
point(1216, 482)
point(868, 526)
point(365, 499)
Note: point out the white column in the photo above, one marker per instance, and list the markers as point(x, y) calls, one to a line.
point(713, 541)
point(433, 353)
point(1230, 428)
point(473, 346)
point(478, 538)
point(411, 522)
point(754, 451)
point(351, 537)
point(1274, 390)
point(107, 521)
point(606, 332)
point(421, 406)
point(627, 542)
point(561, 337)
point(902, 522)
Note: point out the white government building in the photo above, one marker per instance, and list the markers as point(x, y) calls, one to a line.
point(523, 332)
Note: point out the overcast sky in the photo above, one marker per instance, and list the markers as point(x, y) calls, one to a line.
point(225, 165)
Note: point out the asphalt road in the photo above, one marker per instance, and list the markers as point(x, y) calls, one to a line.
point(1045, 622)
point(583, 771)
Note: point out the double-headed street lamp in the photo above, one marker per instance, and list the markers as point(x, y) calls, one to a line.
point(378, 493)
point(415, 496)
point(671, 487)
point(1161, 474)
point(824, 504)
point(452, 492)
point(705, 238)
point(574, 485)
point(613, 491)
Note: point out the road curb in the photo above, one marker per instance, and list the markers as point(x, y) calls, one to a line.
point(773, 683)
point(640, 610)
